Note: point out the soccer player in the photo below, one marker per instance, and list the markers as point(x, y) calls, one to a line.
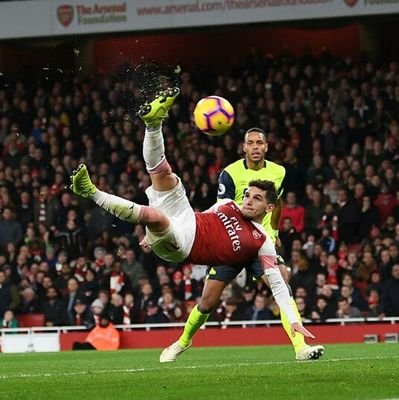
point(233, 183)
point(224, 234)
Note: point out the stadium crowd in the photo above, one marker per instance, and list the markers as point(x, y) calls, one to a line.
point(334, 125)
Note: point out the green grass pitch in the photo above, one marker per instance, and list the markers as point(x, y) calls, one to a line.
point(361, 371)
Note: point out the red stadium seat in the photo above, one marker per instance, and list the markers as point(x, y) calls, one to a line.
point(29, 320)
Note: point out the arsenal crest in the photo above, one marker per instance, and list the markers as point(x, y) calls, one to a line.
point(65, 15)
point(256, 234)
point(350, 3)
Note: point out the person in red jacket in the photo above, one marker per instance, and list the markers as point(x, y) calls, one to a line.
point(385, 202)
point(293, 211)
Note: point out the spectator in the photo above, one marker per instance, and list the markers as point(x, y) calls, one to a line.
point(9, 320)
point(10, 229)
point(373, 301)
point(354, 295)
point(327, 242)
point(294, 211)
point(368, 217)
point(314, 213)
point(116, 281)
point(133, 269)
point(171, 307)
point(390, 295)
point(97, 309)
point(188, 287)
point(258, 311)
point(25, 209)
point(29, 303)
point(345, 310)
point(45, 208)
point(322, 310)
point(375, 283)
point(71, 239)
point(287, 235)
point(228, 310)
point(82, 314)
point(302, 307)
point(116, 310)
point(248, 294)
point(302, 275)
point(385, 203)
point(54, 311)
point(71, 296)
point(348, 217)
point(9, 295)
point(153, 314)
point(131, 310)
point(104, 297)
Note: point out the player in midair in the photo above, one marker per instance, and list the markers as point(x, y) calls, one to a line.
point(224, 234)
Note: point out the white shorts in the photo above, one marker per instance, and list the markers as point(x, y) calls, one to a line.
point(176, 242)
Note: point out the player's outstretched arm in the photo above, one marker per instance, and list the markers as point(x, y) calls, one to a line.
point(281, 294)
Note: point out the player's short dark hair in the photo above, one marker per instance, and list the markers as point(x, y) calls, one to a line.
point(268, 187)
point(254, 129)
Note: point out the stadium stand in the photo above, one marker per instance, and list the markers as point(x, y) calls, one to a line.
point(332, 122)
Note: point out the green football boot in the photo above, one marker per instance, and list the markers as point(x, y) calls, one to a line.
point(81, 183)
point(155, 112)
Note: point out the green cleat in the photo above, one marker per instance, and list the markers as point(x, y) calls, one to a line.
point(155, 112)
point(81, 183)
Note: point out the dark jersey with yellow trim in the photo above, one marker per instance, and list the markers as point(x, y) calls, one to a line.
point(234, 179)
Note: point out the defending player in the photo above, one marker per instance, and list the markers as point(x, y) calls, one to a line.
point(233, 182)
point(225, 234)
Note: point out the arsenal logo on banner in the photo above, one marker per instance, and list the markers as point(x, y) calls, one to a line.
point(65, 15)
point(350, 3)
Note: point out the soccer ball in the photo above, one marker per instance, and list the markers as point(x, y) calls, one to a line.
point(214, 115)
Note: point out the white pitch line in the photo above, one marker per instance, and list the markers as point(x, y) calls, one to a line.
point(177, 367)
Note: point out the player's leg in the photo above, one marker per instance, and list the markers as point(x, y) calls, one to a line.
point(216, 281)
point(126, 210)
point(302, 350)
point(210, 298)
point(153, 114)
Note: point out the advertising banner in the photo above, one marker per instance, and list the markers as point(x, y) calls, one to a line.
point(63, 17)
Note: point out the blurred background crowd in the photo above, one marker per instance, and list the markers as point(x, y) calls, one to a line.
point(331, 122)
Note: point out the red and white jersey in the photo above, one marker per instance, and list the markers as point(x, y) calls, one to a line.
point(224, 237)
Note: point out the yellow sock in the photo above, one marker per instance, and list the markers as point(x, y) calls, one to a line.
point(194, 321)
point(298, 341)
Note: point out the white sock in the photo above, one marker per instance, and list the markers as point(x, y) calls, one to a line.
point(153, 147)
point(124, 209)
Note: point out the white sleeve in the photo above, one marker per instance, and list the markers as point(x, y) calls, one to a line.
point(268, 260)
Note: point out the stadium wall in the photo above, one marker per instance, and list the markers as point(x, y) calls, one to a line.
point(192, 49)
point(158, 338)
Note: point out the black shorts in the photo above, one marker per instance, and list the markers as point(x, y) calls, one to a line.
point(226, 273)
